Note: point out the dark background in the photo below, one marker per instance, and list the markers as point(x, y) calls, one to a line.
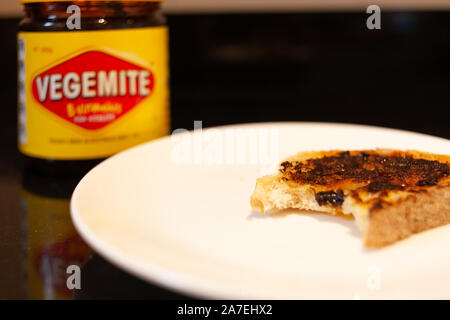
point(312, 67)
point(247, 68)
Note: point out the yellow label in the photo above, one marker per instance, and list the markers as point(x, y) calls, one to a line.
point(90, 94)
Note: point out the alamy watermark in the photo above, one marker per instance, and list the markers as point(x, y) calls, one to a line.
point(74, 20)
point(373, 280)
point(74, 279)
point(374, 20)
point(228, 146)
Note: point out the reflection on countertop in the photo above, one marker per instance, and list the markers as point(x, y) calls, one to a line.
point(45, 243)
point(50, 241)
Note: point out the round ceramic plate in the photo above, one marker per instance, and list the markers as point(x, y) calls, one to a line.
point(176, 212)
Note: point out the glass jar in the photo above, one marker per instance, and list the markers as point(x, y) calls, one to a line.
point(93, 81)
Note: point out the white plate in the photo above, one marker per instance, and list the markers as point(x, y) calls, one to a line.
point(189, 226)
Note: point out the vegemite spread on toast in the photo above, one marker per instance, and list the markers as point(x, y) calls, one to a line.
point(369, 170)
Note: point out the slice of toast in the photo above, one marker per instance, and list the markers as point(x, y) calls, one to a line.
point(391, 194)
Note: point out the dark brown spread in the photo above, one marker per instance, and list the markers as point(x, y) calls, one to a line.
point(335, 199)
point(369, 170)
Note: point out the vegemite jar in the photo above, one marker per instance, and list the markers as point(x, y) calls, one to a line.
point(93, 80)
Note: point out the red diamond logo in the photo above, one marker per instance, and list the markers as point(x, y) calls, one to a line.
point(92, 89)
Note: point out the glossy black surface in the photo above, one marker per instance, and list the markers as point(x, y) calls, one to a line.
point(228, 69)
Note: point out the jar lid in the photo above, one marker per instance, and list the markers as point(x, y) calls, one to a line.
point(34, 1)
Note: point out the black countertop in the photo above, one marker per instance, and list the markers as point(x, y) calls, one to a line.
point(228, 69)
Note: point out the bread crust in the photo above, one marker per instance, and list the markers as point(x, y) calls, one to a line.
point(413, 214)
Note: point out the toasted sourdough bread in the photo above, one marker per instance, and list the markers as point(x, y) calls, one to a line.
point(392, 194)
